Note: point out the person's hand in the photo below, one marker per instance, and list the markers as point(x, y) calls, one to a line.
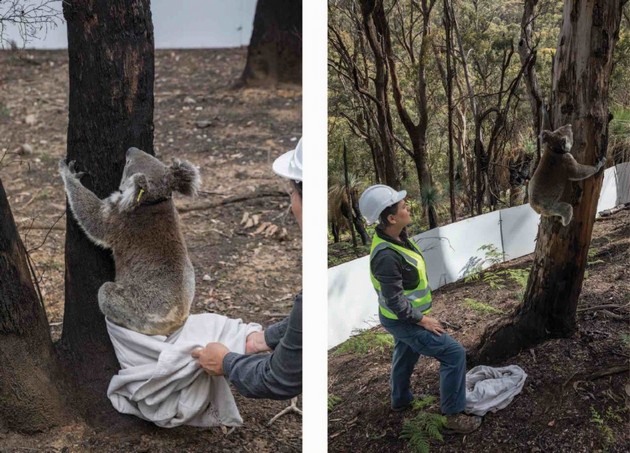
point(432, 325)
point(256, 343)
point(211, 357)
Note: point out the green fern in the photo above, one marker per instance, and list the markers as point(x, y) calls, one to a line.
point(422, 429)
point(494, 280)
point(333, 400)
point(365, 342)
point(481, 307)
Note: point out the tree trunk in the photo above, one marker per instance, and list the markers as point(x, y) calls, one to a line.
point(30, 398)
point(111, 69)
point(527, 53)
point(449, 97)
point(274, 54)
point(350, 212)
point(581, 76)
point(381, 82)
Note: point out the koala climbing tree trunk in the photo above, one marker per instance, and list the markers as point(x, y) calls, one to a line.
point(111, 70)
point(29, 398)
point(275, 50)
point(582, 67)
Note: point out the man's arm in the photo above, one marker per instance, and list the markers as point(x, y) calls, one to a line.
point(387, 267)
point(277, 375)
point(275, 332)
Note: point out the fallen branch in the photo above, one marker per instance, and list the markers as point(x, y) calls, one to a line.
point(607, 372)
point(600, 307)
point(611, 211)
point(236, 199)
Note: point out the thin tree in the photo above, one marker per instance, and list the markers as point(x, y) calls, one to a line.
point(582, 68)
point(348, 194)
point(274, 54)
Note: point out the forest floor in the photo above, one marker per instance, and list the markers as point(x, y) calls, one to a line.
point(233, 136)
point(565, 405)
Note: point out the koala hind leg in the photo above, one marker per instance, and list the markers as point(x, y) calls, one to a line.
point(121, 305)
point(561, 209)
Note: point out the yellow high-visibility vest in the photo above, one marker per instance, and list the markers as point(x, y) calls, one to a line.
point(420, 296)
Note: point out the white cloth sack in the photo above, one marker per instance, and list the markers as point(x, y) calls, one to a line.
point(160, 381)
point(491, 389)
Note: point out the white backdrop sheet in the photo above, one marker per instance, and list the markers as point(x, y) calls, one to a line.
point(450, 251)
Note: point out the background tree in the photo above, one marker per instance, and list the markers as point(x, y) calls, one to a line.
point(274, 54)
point(30, 17)
point(111, 70)
point(30, 399)
point(580, 96)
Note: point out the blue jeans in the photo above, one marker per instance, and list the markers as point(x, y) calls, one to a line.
point(411, 341)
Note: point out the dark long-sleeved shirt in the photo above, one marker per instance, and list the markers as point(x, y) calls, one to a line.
point(395, 275)
point(277, 375)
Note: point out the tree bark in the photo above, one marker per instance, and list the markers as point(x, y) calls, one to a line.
point(417, 132)
point(30, 399)
point(582, 68)
point(449, 96)
point(111, 70)
point(274, 54)
point(527, 53)
point(381, 82)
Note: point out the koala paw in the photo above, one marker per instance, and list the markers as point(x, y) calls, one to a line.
point(70, 169)
point(601, 162)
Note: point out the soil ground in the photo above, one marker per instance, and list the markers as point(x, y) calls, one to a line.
point(564, 406)
point(242, 271)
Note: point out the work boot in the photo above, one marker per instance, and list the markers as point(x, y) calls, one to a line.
point(461, 423)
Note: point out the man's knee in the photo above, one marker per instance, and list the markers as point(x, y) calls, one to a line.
point(456, 352)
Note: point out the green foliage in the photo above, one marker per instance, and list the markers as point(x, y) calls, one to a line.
point(430, 196)
point(5, 112)
point(365, 342)
point(481, 307)
point(492, 256)
point(333, 400)
point(424, 427)
point(590, 260)
point(497, 279)
point(602, 425)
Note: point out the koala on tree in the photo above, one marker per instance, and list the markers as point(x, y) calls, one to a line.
point(155, 281)
point(556, 167)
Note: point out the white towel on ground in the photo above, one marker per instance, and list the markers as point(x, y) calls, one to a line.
point(491, 389)
point(160, 381)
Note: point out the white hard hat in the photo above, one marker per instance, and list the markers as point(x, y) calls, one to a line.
point(376, 198)
point(289, 165)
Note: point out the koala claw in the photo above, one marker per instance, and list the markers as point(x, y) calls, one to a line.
point(72, 168)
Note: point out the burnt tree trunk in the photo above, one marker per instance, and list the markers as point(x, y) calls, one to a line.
point(581, 76)
point(274, 54)
point(30, 399)
point(111, 70)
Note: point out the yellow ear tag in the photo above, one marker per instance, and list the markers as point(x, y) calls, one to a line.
point(139, 195)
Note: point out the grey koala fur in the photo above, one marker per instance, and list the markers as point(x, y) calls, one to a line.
point(155, 282)
point(556, 167)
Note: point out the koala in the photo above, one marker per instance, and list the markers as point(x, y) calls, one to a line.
point(556, 167)
point(155, 282)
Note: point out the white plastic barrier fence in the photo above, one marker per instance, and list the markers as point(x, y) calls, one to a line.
point(451, 252)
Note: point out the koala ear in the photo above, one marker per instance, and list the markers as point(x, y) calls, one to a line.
point(185, 177)
point(544, 136)
point(135, 187)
